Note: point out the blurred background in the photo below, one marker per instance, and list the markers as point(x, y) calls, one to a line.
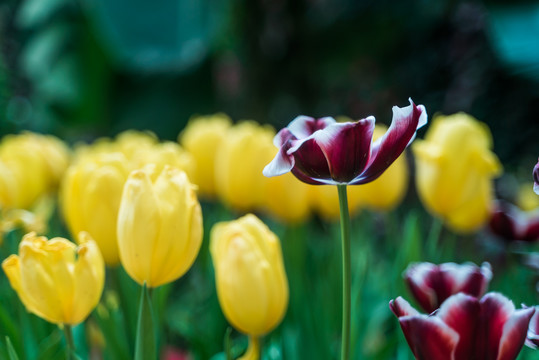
point(88, 68)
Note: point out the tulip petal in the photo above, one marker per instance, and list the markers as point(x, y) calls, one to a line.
point(420, 278)
point(387, 148)
point(346, 147)
point(304, 126)
point(467, 278)
point(514, 334)
point(310, 160)
point(429, 337)
point(536, 178)
point(532, 339)
point(401, 307)
point(496, 309)
point(460, 313)
point(281, 164)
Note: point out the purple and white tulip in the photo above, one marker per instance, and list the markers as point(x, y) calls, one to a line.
point(536, 178)
point(432, 284)
point(465, 328)
point(532, 340)
point(322, 151)
point(510, 223)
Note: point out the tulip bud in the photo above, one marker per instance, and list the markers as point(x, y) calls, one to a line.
point(455, 167)
point(36, 163)
point(166, 153)
point(90, 199)
point(249, 273)
point(432, 284)
point(159, 225)
point(238, 165)
point(55, 279)
point(202, 137)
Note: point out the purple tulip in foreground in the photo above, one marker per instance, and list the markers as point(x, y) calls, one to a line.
point(432, 284)
point(465, 328)
point(532, 339)
point(536, 178)
point(510, 223)
point(322, 151)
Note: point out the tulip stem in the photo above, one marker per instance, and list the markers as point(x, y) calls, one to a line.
point(346, 270)
point(68, 333)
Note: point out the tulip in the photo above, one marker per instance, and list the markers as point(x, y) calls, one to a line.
point(165, 153)
point(90, 199)
point(322, 151)
point(532, 339)
point(510, 223)
point(238, 165)
point(159, 225)
point(55, 279)
point(536, 178)
point(202, 138)
point(454, 171)
point(249, 274)
point(465, 328)
point(36, 163)
point(432, 284)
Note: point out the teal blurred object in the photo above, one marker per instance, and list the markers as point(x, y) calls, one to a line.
point(514, 33)
point(174, 36)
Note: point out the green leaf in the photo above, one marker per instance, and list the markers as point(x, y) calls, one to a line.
point(10, 350)
point(145, 348)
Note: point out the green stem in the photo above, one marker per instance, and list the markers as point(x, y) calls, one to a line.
point(145, 345)
point(346, 278)
point(433, 240)
point(70, 343)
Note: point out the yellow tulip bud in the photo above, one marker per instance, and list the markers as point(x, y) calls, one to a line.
point(159, 225)
point(90, 199)
point(161, 154)
point(238, 165)
point(249, 274)
point(36, 162)
point(527, 200)
point(7, 187)
point(202, 137)
point(454, 170)
point(55, 279)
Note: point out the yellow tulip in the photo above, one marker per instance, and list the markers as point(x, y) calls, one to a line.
point(161, 154)
point(90, 198)
point(202, 138)
point(55, 279)
point(249, 273)
point(239, 164)
point(386, 192)
point(454, 170)
point(36, 162)
point(527, 200)
point(7, 187)
point(159, 225)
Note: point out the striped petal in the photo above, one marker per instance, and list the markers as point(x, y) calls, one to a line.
point(346, 147)
point(387, 149)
